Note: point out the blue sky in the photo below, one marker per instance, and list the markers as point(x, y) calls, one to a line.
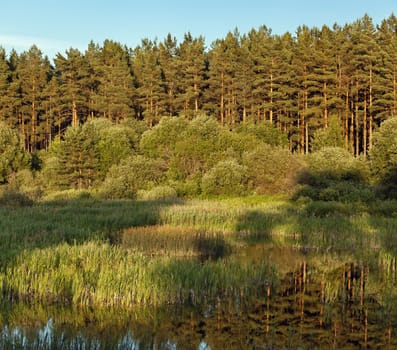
point(56, 25)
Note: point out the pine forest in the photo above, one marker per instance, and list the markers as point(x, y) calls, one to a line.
point(298, 82)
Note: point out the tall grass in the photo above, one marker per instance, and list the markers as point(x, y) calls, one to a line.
point(123, 253)
point(99, 274)
point(176, 241)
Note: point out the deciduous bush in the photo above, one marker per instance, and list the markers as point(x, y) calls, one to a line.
point(225, 178)
point(264, 132)
point(157, 192)
point(25, 182)
point(272, 169)
point(383, 158)
point(113, 145)
point(332, 136)
point(333, 174)
point(159, 142)
point(132, 174)
point(13, 198)
point(198, 149)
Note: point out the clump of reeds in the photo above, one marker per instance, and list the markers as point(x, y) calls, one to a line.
point(100, 274)
point(175, 241)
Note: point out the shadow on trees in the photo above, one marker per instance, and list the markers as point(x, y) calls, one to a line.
point(338, 185)
point(386, 187)
point(334, 211)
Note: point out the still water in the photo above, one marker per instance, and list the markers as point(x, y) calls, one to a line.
point(320, 300)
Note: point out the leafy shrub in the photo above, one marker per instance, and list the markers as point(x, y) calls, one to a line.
point(132, 174)
point(386, 187)
point(225, 178)
point(264, 132)
point(328, 137)
point(25, 183)
point(159, 142)
point(383, 159)
point(338, 163)
point(197, 150)
point(12, 198)
point(272, 169)
point(157, 192)
point(383, 154)
point(333, 174)
point(113, 145)
point(190, 187)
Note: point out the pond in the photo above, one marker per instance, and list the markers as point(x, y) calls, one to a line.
point(320, 300)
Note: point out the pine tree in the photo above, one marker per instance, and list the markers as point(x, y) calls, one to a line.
point(262, 57)
point(72, 72)
point(77, 158)
point(33, 74)
point(168, 58)
point(191, 68)
point(55, 123)
point(93, 58)
point(308, 106)
point(5, 80)
point(150, 86)
point(222, 92)
point(284, 91)
point(15, 99)
point(385, 81)
point(325, 73)
point(116, 84)
point(363, 63)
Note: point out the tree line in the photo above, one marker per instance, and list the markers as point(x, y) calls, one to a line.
point(296, 82)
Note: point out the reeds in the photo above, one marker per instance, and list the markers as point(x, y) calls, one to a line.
point(99, 274)
point(124, 253)
point(176, 241)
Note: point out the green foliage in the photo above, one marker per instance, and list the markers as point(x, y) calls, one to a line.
point(159, 142)
point(12, 157)
point(383, 158)
point(134, 130)
point(198, 148)
point(14, 198)
point(188, 188)
point(272, 169)
point(269, 86)
point(227, 177)
point(113, 145)
point(333, 174)
point(265, 132)
point(75, 160)
point(157, 192)
point(25, 182)
point(130, 175)
point(338, 162)
point(332, 136)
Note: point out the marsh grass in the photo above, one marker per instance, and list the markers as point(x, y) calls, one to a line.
point(176, 241)
point(95, 274)
point(87, 251)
